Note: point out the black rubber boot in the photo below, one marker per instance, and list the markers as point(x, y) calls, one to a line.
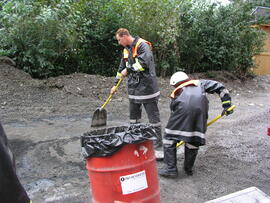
point(170, 170)
point(190, 156)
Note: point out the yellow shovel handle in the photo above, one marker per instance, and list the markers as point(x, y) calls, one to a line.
point(109, 98)
point(219, 116)
point(180, 143)
point(209, 123)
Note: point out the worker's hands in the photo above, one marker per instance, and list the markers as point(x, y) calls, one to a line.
point(119, 76)
point(124, 72)
point(226, 105)
point(113, 90)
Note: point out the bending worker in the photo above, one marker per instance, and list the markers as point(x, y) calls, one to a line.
point(138, 64)
point(188, 119)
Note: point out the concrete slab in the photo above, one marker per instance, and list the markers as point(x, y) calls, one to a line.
point(249, 195)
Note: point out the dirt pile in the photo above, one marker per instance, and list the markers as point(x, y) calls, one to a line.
point(20, 94)
point(22, 97)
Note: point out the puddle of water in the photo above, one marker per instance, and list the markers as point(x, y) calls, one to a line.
point(38, 186)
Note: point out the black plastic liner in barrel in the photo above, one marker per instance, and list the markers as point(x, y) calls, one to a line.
point(106, 141)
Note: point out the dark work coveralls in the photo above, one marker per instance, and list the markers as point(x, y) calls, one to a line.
point(142, 85)
point(188, 121)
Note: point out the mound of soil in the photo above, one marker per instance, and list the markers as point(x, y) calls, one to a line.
point(22, 97)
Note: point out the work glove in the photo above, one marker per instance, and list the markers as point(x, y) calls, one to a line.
point(113, 90)
point(118, 77)
point(136, 67)
point(226, 105)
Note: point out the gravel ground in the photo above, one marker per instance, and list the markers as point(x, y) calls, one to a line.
point(44, 120)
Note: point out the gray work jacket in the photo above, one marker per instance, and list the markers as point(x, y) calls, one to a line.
point(142, 86)
point(189, 111)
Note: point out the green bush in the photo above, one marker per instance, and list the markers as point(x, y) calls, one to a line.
point(40, 37)
point(99, 51)
point(50, 38)
point(156, 21)
point(218, 38)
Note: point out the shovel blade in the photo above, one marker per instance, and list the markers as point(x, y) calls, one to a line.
point(99, 118)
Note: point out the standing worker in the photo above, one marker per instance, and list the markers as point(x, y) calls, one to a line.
point(138, 64)
point(188, 119)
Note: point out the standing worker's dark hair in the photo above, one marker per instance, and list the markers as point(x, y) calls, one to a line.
point(122, 31)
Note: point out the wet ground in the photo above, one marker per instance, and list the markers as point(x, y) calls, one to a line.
point(44, 130)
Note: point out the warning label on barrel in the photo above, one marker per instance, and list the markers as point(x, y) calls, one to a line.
point(133, 183)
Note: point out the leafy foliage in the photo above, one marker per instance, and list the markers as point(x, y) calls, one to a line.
point(156, 21)
point(218, 38)
point(49, 38)
point(40, 37)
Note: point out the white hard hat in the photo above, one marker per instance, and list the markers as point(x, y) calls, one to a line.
point(178, 77)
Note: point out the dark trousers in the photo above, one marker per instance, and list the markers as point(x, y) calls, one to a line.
point(152, 111)
point(170, 159)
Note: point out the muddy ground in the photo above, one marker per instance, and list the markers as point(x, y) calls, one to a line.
point(44, 120)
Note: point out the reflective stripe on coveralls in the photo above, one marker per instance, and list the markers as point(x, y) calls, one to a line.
point(144, 96)
point(190, 146)
point(184, 133)
point(135, 49)
point(156, 124)
point(134, 121)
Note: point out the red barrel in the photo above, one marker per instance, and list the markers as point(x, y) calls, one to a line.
point(129, 175)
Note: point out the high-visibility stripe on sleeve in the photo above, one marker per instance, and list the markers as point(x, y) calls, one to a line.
point(137, 66)
point(226, 102)
point(125, 53)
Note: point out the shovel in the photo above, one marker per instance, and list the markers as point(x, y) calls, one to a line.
point(209, 123)
point(100, 115)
